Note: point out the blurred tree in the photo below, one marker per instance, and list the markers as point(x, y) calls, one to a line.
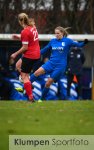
point(54, 17)
point(48, 14)
point(79, 15)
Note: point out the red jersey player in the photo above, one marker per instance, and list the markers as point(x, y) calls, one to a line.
point(17, 37)
point(30, 51)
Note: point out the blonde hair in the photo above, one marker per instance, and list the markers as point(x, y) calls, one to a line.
point(23, 17)
point(63, 30)
point(32, 22)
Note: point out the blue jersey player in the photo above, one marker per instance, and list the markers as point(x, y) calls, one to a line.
point(57, 63)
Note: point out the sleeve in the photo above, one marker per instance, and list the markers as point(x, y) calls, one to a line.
point(46, 48)
point(24, 37)
point(77, 44)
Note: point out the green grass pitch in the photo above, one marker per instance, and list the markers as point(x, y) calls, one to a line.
point(46, 118)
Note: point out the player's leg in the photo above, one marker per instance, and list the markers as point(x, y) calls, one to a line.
point(45, 68)
point(46, 88)
point(26, 67)
point(18, 65)
point(37, 73)
point(27, 85)
point(54, 76)
point(18, 68)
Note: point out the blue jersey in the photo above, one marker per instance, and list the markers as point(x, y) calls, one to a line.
point(57, 64)
point(59, 49)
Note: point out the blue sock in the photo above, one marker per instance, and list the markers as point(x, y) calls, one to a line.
point(33, 78)
point(44, 93)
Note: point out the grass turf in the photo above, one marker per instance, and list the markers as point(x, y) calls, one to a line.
point(46, 118)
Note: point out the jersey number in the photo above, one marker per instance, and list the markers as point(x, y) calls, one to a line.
point(35, 35)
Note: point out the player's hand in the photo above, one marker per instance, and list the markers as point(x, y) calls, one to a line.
point(85, 41)
point(15, 37)
point(13, 56)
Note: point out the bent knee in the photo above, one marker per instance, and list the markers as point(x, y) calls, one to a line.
point(39, 72)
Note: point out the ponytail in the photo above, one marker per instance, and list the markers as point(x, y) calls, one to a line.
point(31, 22)
point(23, 18)
point(63, 30)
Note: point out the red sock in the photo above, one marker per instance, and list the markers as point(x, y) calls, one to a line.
point(28, 88)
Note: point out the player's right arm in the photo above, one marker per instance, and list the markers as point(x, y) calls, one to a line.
point(20, 51)
point(46, 48)
point(16, 37)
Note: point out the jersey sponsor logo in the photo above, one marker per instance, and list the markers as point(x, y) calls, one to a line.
point(63, 43)
point(60, 49)
point(57, 48)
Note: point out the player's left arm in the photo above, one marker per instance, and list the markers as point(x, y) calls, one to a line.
point(79, 44)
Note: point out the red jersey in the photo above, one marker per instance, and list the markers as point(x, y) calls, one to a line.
point(29, 35)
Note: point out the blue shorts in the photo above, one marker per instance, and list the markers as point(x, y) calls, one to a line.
point(55, 71)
